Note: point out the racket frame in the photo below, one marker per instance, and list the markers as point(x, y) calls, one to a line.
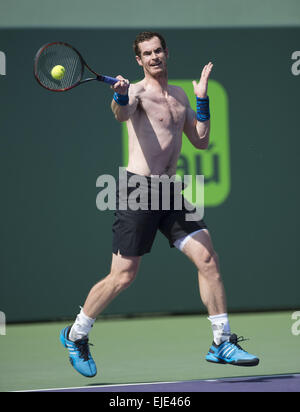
point(99, 77)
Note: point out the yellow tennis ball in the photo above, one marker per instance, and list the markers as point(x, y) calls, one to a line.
point(58, 72)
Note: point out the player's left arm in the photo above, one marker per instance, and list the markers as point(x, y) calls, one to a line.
point(197, 125)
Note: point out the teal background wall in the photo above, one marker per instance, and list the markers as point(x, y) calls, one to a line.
point(154, 13)
point(55, 244)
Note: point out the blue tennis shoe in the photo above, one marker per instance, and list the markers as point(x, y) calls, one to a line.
point(230, 352)
point(79, 354)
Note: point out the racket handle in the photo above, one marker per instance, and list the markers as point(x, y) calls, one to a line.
point(109, 80)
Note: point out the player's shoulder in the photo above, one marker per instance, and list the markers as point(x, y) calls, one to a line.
point(136, 88)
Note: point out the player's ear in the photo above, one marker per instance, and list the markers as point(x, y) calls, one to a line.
point(139, 61)
point(167, 53)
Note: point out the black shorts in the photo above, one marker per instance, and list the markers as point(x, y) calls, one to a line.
point(134, 230)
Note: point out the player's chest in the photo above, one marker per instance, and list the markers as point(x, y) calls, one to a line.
point(164, 110)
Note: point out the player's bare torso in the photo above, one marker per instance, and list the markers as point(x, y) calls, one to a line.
point(155, 129)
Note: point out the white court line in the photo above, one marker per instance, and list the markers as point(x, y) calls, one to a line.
point(100, 386)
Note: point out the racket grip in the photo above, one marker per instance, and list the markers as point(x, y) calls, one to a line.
point(109, 80)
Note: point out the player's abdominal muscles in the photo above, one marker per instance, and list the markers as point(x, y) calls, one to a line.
point(164, 160)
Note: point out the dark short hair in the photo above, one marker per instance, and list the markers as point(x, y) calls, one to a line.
point(147, 35)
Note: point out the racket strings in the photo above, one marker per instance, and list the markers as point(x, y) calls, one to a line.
point(63, 55)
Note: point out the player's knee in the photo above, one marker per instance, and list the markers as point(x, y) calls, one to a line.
point(124, 278)
point(207, 265)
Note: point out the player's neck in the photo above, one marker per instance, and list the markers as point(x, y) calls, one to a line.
point(159, 82)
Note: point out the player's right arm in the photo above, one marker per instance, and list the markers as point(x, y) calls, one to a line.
point(125, 101)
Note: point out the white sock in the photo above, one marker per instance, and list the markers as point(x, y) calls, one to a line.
point(81, 326)
point(220, 327)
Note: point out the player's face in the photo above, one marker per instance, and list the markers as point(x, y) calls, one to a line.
point(153, 57)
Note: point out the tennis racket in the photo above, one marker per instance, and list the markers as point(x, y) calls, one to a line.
point(63, 54)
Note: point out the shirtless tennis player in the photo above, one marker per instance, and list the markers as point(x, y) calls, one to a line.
point(157, 114)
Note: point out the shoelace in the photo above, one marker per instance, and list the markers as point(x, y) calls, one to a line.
point(234, 340)
point(83, 347)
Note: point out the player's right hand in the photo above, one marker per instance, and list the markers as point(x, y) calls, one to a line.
point(121, 86)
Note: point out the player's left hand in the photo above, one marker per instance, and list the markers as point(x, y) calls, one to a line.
point(200, 88)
